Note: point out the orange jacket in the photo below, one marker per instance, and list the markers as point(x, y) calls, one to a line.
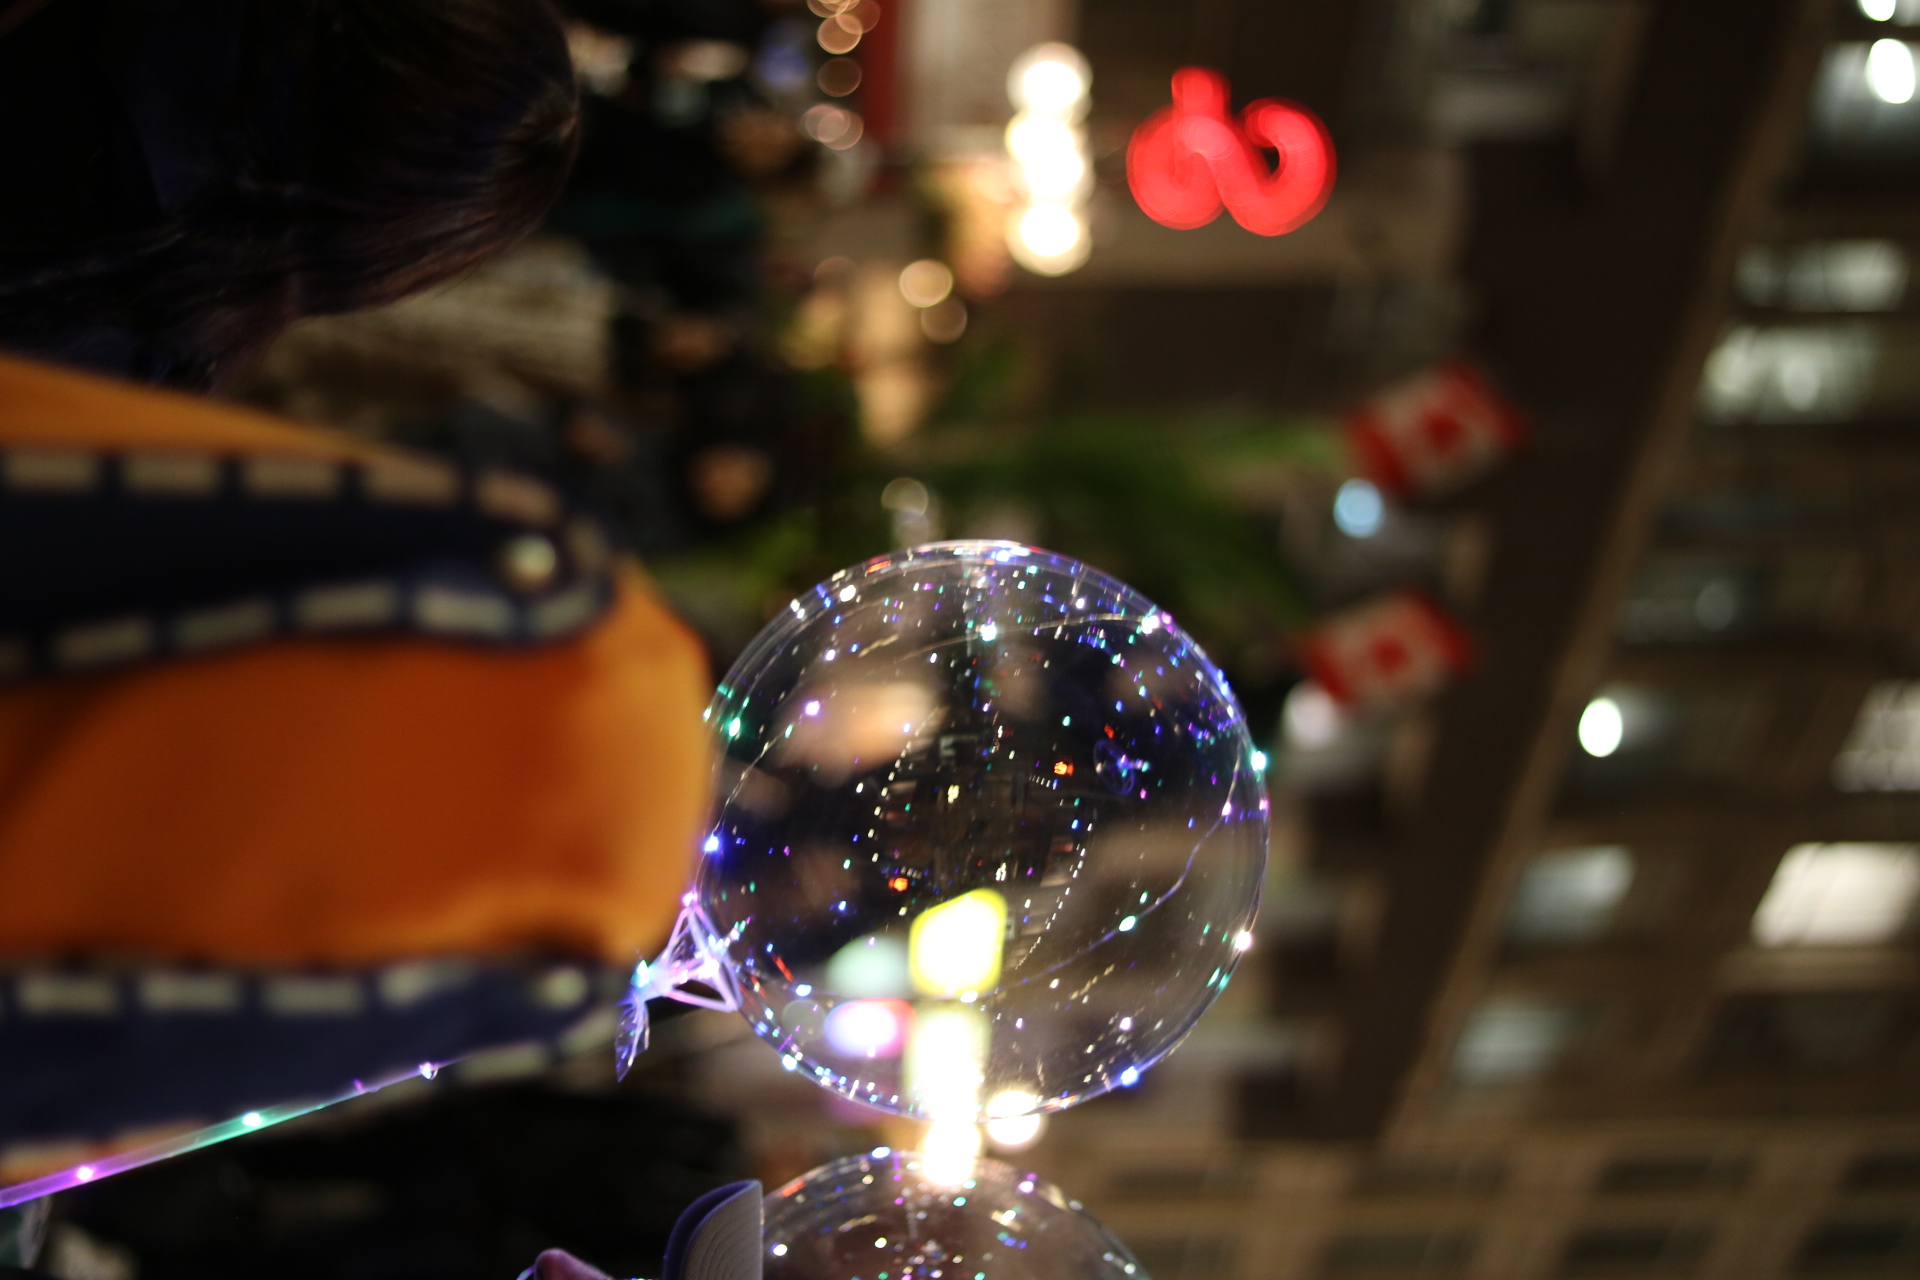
point(341, 801)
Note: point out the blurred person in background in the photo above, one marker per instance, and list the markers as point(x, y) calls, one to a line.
point(681, 152)
point(186, 177)
point(317, 759)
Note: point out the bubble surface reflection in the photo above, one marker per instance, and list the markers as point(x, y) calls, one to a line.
point(989, 829)
point(898, 1215)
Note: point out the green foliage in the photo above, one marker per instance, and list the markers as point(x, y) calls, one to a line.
point(1127, 493)
point(1159, 500)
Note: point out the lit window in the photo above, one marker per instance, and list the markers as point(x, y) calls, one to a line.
point(1864, 106)
point(1570, 895)
point(1809, 373)
point(1839, 895)
point(1883, 751)
point(1509, 1041)
point(1833, 275)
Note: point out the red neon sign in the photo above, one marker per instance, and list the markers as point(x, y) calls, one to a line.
point(1187, 161)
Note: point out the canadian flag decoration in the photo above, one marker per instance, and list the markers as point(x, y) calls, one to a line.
point(1391, 649)
point(1433, 432)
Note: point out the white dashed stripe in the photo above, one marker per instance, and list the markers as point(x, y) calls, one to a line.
point(103, 643)
point(172, 475)
point(51, 470)
point(190, 993)
point(291, 477)
point(44, 995)
point(313, 997)
point(351, 605)
point(405, 985)
point(418, 481)
point(226, 625)
point(465, 613)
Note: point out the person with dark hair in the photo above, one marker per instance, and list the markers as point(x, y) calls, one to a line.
point(389, 760)
point(186, 177)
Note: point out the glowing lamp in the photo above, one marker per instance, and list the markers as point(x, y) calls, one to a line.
point(1188, 161)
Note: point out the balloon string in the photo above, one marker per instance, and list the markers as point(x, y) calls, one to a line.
point(251, 1122)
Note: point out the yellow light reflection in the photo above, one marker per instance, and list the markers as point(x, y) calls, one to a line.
point(947, 1062)
point(954, 948)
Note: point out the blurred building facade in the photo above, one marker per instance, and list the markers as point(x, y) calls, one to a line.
point(1604, 963)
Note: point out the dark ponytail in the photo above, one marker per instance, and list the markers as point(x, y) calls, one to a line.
point(368, 149)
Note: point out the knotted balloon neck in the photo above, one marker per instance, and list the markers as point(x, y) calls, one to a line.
point(696, 952)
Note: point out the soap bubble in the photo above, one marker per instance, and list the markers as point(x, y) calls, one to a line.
point(990, 832)
point(901, 1215)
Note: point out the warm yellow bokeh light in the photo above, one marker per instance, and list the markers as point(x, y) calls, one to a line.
point(954, 949)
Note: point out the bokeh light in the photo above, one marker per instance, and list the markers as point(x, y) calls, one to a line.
point(1048, 160)
point(1890, 71)
point(945, 321)
point(1050, 79)
point(926, 283)
point(1601, 727)
point(838, 77)
point(1358, 509)
point(1049, 239)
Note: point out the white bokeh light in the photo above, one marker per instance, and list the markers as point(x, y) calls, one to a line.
point(1048, 163)
point(1890, 71)
point(1313, 719)
point(1601, 728)
point(1358, 509)
point(926, 283)
point(1049, 239)
point(1050, 79)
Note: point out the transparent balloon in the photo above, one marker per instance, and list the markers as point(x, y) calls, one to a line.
point(905, 1217)
point(990, 836)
